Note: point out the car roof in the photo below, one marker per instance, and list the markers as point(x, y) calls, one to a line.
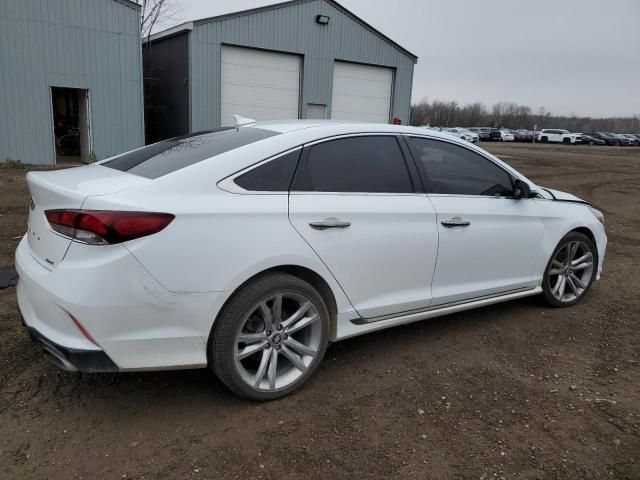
point(337, 127)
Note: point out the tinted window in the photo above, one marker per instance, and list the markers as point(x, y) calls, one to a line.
point(455, 170)
point(357, 164)
point(170, 155)
point(273, 176)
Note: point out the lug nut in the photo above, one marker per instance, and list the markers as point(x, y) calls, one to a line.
point(268, 332)
point(278, 347)
point(279, 327)
point(286, 336)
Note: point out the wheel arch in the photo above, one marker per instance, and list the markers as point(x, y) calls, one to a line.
point(304, 273)
point(585, 231)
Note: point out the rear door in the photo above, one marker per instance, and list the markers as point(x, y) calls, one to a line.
point(356, 204)
point(488, 242)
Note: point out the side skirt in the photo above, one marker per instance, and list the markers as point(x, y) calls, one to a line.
point(361, 326)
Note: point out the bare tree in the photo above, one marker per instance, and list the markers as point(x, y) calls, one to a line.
point(439, 113)
point(155, 13)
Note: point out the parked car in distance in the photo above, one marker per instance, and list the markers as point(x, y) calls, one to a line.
point(525, 135)
point(495, 135)
point(248, 249)
point(464, 135)
point(474, 135)
point(506, 135)
point(517, 136)
point(624, 140)
point(632, 138)
point(589, 140)
point(528, 134)
point(484, 133)
point(609, 140)
point(558, 136)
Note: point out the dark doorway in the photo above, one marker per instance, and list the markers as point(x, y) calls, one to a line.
point(71, 125)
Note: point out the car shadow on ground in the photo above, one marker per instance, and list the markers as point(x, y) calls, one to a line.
point(129, 393)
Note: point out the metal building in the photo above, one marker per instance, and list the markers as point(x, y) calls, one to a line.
point(298, 59)
point(70, 80)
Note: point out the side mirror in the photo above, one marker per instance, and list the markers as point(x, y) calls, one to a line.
point(521, 189)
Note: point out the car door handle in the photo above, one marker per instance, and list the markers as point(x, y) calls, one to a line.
point(331, 223)
point(455, 222)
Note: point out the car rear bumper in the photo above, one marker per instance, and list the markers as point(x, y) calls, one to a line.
point(128, 318)
point(73, 359)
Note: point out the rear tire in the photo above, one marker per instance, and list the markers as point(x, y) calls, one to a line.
point(570, 271)
point(270, 337)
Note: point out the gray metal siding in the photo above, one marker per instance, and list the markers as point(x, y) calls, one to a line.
point(88, 44)
point(292, 28)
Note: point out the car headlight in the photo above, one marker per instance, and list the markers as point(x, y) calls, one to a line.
point(598, 214)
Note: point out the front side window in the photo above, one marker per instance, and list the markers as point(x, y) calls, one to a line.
point(455, 170)
point(366, 164)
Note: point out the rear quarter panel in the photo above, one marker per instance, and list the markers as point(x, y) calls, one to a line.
point(218, 240)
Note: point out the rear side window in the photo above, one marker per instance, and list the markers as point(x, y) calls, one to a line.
point(455, 170)
point(367, 164)
point(167, 156)
point(273, 176)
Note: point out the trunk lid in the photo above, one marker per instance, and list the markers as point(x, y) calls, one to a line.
point(66, 189)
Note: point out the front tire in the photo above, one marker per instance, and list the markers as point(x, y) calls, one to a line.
point(570, 271)
point(270, 337)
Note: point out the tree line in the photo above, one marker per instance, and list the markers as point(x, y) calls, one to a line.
point(438, 113)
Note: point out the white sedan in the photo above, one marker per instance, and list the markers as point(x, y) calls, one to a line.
point(248, 249)
point(506, 136)
point(464, 134)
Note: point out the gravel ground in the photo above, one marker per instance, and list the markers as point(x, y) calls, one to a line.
point(516, 390)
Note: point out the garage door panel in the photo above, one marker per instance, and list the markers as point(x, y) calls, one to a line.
point(257, 76)
point(259, 58)
point(264, 97)
point(361, 88)
point(361, 92)
point(259, 84)
point(363, 105)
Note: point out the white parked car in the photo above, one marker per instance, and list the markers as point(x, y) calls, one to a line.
point(464, 134)
point(507, 136)
point(248, 249)
point(558, 136)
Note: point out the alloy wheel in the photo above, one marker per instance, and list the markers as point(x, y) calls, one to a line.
point(571, 271)
point(278, 341)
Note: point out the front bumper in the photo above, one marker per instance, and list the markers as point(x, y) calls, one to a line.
point(73, 359)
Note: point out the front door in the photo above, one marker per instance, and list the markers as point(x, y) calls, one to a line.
point(488, 242)
point(354, 202)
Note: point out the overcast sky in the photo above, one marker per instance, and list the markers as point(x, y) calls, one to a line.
point(571, 56)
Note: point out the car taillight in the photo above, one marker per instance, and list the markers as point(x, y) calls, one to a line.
point(106, 227)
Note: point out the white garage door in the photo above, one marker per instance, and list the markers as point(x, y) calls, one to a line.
point(361, 92)
point(259, 85)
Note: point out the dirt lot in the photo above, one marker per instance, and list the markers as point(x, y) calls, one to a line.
point(511, 391)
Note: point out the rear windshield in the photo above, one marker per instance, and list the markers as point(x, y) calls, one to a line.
point(167, 156)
